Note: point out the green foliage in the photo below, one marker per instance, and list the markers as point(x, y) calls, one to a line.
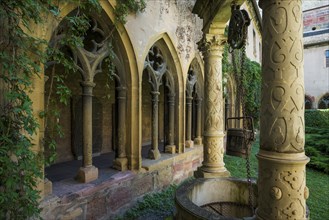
point(160, 205)
point(252, 82)
point(317, 182)
point(317, 118)
point(125, 7)
point(317, 148)
point(21, 59)
point(247, 78)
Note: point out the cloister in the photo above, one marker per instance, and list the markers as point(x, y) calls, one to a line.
point(163, 118)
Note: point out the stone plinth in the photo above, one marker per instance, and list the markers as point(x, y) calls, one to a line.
point(87, 174)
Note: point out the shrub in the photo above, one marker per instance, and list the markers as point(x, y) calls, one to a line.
point(318, 118)
point(317, 148)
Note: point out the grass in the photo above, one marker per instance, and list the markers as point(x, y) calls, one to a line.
point(161, 205)
point(154, 206)
point(317, 148)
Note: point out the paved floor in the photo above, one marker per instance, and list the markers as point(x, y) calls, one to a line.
point(68, 170)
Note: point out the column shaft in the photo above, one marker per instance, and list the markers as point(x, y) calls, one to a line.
point(198, 139)
point(282, 179)
point(121, 162)
point(189, 142)
point(87, 124)
point(213, 164)
point(171, 148)
point(154, 153)
point(88, 172)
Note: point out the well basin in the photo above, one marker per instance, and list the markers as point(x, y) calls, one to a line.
point(218, 198)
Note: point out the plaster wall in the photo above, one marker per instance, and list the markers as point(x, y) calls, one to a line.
point(254, 39)
point(172, 17)
point(316, 73)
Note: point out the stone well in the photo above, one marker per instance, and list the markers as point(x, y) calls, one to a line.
point(198, 199)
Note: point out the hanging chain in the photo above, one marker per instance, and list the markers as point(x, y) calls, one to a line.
point(248, 137)
point(237, 36)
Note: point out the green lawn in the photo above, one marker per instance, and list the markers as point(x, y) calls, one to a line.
point(317, 182)
point(161, 205)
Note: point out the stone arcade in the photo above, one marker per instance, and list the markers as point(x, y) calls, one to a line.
point(164, 120)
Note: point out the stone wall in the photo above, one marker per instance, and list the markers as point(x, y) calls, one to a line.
point(115, 192)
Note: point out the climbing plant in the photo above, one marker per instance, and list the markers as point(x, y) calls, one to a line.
point(22, 57)
point(251, 80)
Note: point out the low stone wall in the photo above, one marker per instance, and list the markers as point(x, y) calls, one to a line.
point(115, 192)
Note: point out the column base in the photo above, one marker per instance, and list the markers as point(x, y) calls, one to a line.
point(87, 174)
point(154, 154)
point(171, 149)
point(198, 141)
point(48, 187)
point(120, 164)
point(202, 172)
point(189, 144)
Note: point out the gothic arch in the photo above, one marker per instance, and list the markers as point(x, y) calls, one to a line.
point(126, 76)
point(324, 102)
point(230, 93)
point(174, 76)
point(194, 97)
point(308, 102)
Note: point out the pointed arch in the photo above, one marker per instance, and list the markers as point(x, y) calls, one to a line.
point(127, 72)
point(174, 79)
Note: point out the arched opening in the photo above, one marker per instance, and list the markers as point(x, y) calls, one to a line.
point(158, 102)
point(308, 102)
point(193, 110)
point(324, 102)
point(94, 117)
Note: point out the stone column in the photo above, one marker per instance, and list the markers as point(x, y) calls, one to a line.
point(198, 103)
point(154, 152)
point(171, 148)
point(121, 162)
point(213, 164)
point(189, 142)
point(88, 172)
point(281, 183)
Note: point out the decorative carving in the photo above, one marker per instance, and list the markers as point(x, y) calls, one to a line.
point(214, 152)
point(190, 82)
point(306, 192)
point(276, 193)
point(281, 188)
point(212, 46)
point(156, 66)
point(282, 121)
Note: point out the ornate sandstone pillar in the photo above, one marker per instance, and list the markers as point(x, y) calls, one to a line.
point(88, 172)
point(281, 184)
point(171, 148)
point(198, 103)
point(213, 164)
point(154, 152)
point(189, 142)
point(121, 162)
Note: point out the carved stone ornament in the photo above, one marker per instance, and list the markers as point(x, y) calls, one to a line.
point(156, 67)
point(282, 107)
point(212, 42)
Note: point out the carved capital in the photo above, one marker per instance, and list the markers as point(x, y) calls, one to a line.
point(212, 44)
point(122, 92)
point(87, 87)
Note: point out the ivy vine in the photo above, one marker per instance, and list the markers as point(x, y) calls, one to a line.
point(251, 80)
point(21, 61)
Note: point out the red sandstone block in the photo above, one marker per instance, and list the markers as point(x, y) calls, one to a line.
point(195, 163)
point(119, 197)
point(96, 208)
point(178, 167)
point(188, 165)
point(142, 185)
